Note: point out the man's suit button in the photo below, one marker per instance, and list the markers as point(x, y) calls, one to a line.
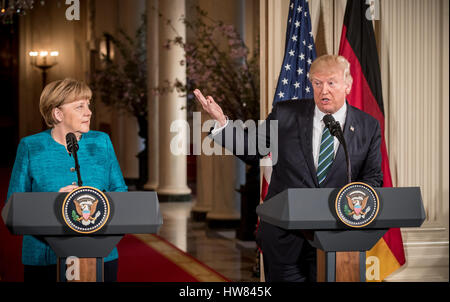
point(72, 169)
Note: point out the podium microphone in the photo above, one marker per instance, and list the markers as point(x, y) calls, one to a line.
point(72, 147)
point(335, 130)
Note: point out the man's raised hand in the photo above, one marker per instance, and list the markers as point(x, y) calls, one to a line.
point(211, 107)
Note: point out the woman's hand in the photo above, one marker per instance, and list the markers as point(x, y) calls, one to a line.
point(211, 107)
point(68, 188)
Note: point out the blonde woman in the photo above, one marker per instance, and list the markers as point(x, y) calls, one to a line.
point(43, 164)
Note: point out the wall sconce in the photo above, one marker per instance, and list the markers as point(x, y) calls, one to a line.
point(44, 60)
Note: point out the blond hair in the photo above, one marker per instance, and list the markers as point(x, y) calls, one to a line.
point(61, 92)
point(324, 62)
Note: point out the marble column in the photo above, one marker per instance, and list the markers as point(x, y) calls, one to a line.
point(172, 183)
point(126, 125)
point(228, 176)
point(219, 177)
point(228, 171)
point(152, 80)
point(205, 190)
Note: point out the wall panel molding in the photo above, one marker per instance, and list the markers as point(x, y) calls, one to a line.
point(414, 65)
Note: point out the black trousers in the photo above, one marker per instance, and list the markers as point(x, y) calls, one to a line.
point(48, 273)
point(287, 255)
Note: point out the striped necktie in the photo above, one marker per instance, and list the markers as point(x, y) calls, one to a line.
point(326, 155)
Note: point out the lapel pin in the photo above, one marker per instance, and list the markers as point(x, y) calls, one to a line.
point(352, 129)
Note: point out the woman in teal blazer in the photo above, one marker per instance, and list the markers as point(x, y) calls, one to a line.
point(43, 164)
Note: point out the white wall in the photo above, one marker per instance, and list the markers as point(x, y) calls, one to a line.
point(414, 65)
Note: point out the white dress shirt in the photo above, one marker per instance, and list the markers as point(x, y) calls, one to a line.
point(217, 127)
point(318, 126)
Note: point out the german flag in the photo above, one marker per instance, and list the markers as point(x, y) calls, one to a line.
point(358, 46)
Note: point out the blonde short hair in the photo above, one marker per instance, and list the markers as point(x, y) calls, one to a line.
point(326, 61)
point(61, 92)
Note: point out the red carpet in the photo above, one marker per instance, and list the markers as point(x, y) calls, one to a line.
point(11, 268)
point(138, 261)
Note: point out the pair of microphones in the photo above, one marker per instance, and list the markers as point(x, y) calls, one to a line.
point(72, 147)
point(335, 130)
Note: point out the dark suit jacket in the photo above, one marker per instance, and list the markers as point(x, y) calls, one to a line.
point(294, 167)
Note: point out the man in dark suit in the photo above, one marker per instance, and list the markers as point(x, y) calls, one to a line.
point(308, 157)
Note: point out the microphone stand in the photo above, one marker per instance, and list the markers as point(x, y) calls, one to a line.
point(341, 139)
point(72, 147)
point(77, 167)
point(335, 130)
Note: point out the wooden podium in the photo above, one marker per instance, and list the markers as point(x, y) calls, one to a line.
point(341, 248)
point(39, 214)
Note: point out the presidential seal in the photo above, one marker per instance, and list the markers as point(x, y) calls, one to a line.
point(85, 210)
point(357, 204)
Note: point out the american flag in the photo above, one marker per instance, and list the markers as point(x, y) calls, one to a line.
point(299, 53)
point(293, 81)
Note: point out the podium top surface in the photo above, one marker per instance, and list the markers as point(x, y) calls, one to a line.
point(314, 209)
point(40, 214)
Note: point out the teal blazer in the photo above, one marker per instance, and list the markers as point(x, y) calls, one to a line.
point(43, 165)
